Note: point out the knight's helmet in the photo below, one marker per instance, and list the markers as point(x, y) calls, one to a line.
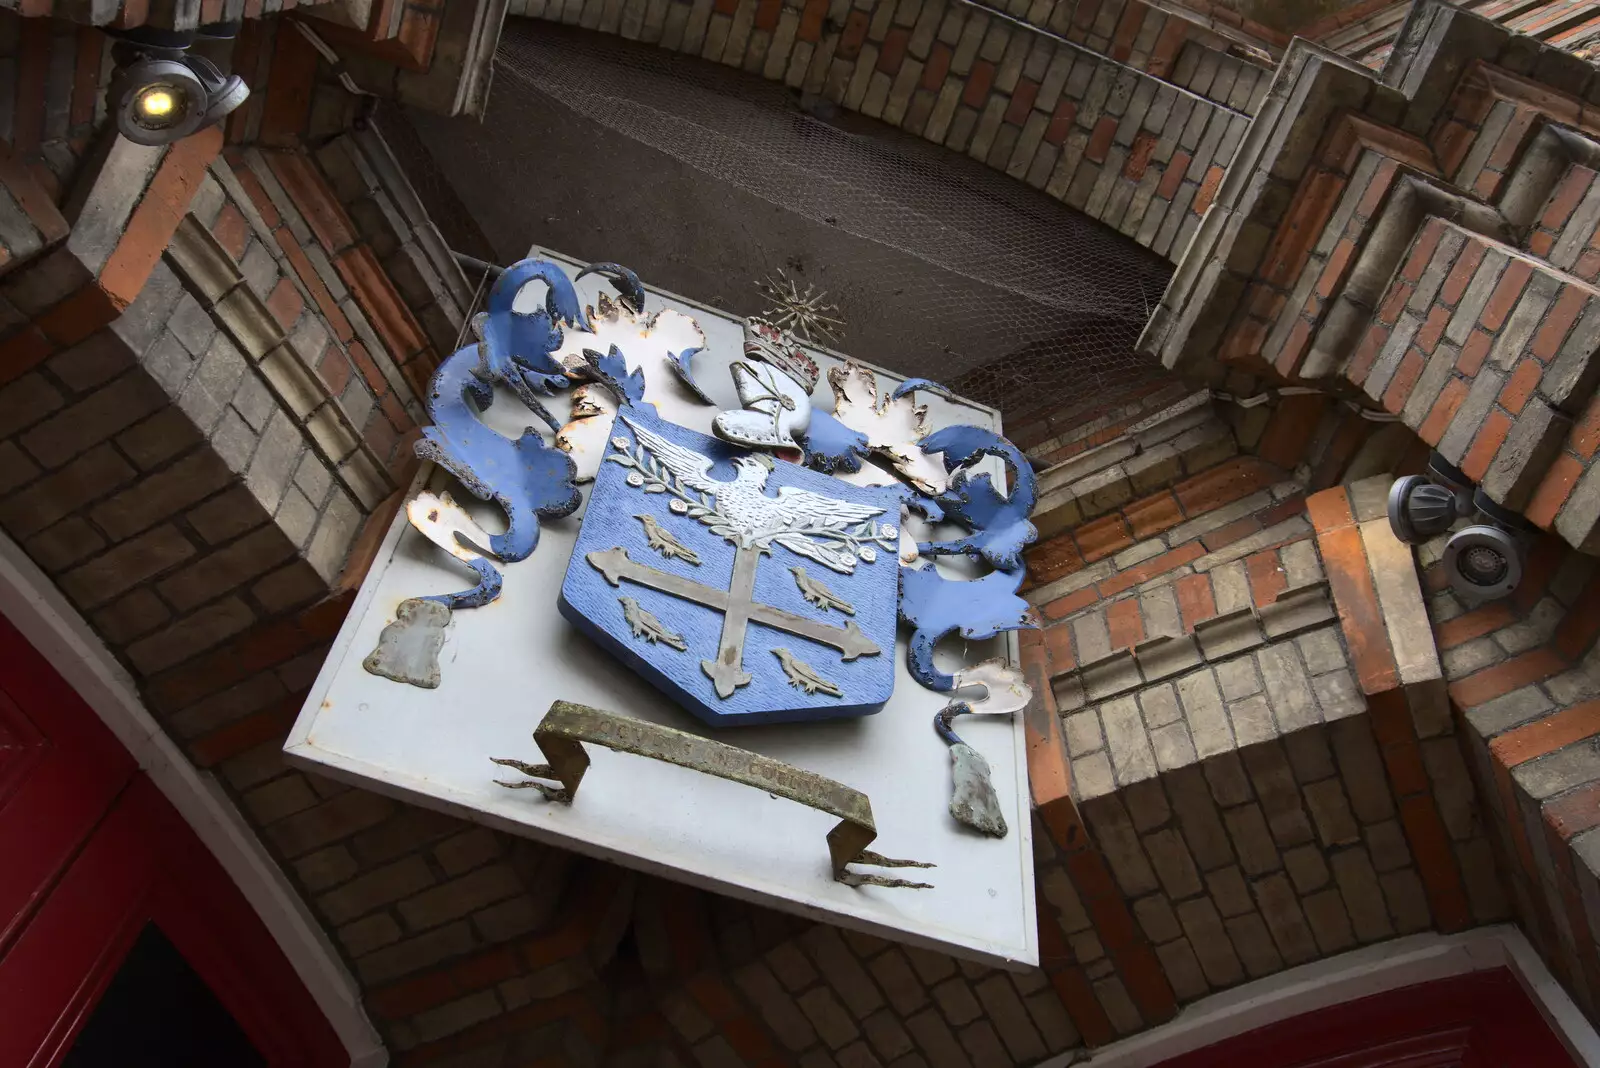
point(770, 345)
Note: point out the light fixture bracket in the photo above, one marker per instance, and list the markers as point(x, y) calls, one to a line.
point(198, 93)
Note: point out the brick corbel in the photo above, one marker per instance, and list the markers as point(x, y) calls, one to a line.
point(403, 34)
point(1197, 311)
point(1553, 150)
point(123, 214)
point(1338, 20)
point(42, 226)
point(1050, 785)
point(1438, 40)
point(1411, 201)
point(361, 171)
point(1414, 100)
point(211, 273)
point(1227, 23)
point(1373, 578)
point(353, 258)
point(1478, 165)
point(1049, 778)
point(1320, 233)
point(1379, 598)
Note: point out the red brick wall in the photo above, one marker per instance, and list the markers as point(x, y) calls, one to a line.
point(1428, 259)
point(1103, 539)
point(1521, 680)
point(1466, 321)
point(476, 948)
point(130, 13)
point(1367, 31)
point(1049, 438)
point(1257, 810)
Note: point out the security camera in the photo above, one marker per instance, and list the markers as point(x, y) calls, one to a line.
point(161, 93)
point(1483, 559)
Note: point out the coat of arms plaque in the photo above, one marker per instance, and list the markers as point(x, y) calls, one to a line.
point(646, 525)
point(749, 589)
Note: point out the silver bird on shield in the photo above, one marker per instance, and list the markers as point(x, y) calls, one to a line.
point(836, 534)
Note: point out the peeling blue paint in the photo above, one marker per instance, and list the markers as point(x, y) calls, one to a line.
point(943, 721)
point(487, 589)
point(999, 524)
point(937, 606)
point(626, 283)
point(923, 505)
point(831, 446)
point(611, 371)
point(529, 479)
point(680, 367)
point(515, 347)
point(926, 385)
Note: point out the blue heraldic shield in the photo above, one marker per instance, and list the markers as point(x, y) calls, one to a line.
point(748, 589)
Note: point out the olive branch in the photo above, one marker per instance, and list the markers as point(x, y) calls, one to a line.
point(648, 474)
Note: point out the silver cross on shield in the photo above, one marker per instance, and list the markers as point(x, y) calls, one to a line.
point(665, 489)
point(738, 607)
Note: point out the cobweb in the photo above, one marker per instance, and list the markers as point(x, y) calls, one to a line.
point(1010, 297)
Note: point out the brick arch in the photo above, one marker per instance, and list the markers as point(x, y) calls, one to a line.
point(1087, 100)
point(1523, 687)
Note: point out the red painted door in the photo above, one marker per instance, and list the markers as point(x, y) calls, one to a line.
point(122, 940)
point(1482, 1020)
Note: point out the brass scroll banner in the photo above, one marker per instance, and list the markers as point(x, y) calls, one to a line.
point(564, 729)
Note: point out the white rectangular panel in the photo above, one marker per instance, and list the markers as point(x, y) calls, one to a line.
point(503, 664)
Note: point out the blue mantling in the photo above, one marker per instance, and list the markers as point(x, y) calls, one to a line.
point(527, 478)
point(515, 346)
point(937, 606)
point(626, 283)
point(925, 385)
point(999, 524)
point(487, 589)
point(611, 371)
point(831, 446)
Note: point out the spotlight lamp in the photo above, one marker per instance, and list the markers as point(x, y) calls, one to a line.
point(1425, 506)
point(161, 93)
point(1483, 559)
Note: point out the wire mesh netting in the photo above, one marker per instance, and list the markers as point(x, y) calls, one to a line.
point(939, 266)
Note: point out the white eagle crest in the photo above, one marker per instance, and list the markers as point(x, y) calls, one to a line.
point(834, 533)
